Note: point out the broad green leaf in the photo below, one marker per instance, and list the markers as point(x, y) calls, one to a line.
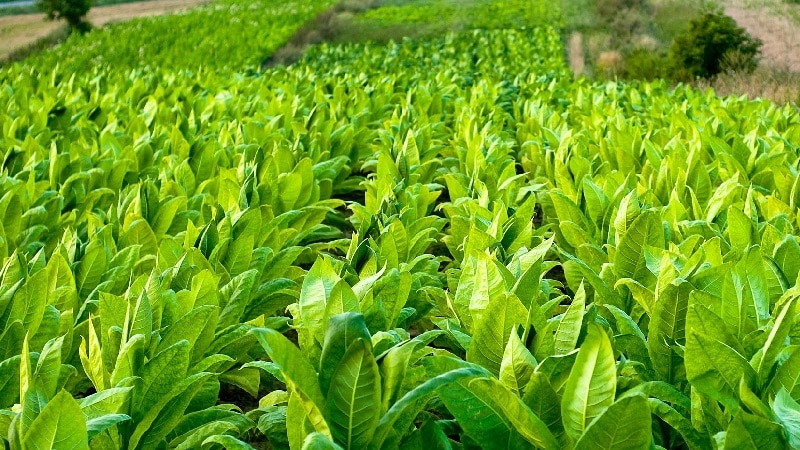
point(60, 425)
point(317, 286)
point(395, 363)
point(227, 442)
point(787, 411)
point(159, 376)
point(343, 330)
point(776, 341)
point(787, 375)
point(625, 425)
point(298, 373)
point(667, 329)
point(110, 401)
point(492, 331)
point(524, 421)
point(162, 417)
point(354, 398)
point(543, 401)
point(747, 431)
point(318, 441)
point(99, 424)
point(693, 438)
point(713, 364)
point(591, 384)
point(403, 412)
point(517, 366)
point(646, 230)
point(569, 327)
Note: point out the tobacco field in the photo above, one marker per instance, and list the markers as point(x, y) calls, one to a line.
point(439, 243)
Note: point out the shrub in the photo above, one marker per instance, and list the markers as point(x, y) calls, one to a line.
point(645, 64)
point(712, 38)
point(73, 11)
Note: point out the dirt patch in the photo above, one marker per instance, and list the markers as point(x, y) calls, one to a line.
point(20, 31)
point(779, 33)
point(575, 53)
point(326, 27)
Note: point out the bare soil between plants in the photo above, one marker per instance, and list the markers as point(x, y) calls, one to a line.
point(23, 30)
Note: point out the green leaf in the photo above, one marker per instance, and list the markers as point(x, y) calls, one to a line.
point(342, 331)
point(518, 364)
point(480, 416)
point(591, 384)
point(787, 257)
point(543, 401)
point(429, 436)
point(747, 303)
point(92, 266)
point(629, 261)
point(99, 424)
point(492, 330)
point(749, 432)
point(159, 376)
point(9, 381)
point(403, 413)
point(625, 425)
point(787, 411)
point(298, 372)
point(524, 421)
point(787, 375)
point(667, 329)
point(395, 363)
point(227, 442)
point(317, 286)
point(713, 364)
point(129, 361)
point(60, 425)
point(569, 327)
point(109, 401)
point(354, 398)
point(694, 439)
point(318, 441)
point(162, 417)
point(480, 282)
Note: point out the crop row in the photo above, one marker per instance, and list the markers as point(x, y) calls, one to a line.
point(226, 34)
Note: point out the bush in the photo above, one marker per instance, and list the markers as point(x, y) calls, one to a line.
point(645, 64)
point(73, 11)
point(712, 39)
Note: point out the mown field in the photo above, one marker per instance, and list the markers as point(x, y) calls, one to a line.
point(445, 242)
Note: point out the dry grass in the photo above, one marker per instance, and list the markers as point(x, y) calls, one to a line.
point(32, 30)
point(780, 85)
point(779, 33)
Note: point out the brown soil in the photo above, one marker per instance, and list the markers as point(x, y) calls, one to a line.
point(22, 30)
point(775, 25)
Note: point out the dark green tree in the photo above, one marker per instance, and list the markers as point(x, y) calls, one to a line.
point(72, 11)
point(712, 40)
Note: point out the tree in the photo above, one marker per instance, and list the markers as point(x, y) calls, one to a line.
point(712, 40)
point(73, 11)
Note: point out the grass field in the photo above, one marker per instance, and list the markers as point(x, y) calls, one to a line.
point(442, 240)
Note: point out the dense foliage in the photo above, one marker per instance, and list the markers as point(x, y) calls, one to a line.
point(713, 41)
point(442, 243)
point(72, 11)
point(227, 34)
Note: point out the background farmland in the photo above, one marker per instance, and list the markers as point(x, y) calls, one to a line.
point(375, 225)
